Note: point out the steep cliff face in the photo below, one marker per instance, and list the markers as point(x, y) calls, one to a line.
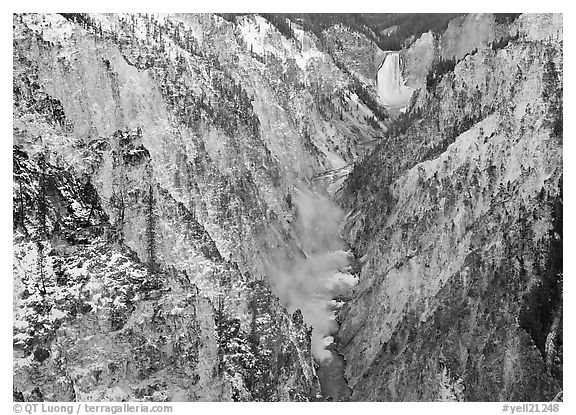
point(463, 35)
point(359, 54)
point(156, 158)
point(457, 221)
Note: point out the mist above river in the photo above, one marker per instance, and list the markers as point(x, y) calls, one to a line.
point(312, 281)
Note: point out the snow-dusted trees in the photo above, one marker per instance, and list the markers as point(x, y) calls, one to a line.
point(21, 183)
point(552, 93)
point(449, 389)
point(116, 202)
point(42, 231)
point(150, 229)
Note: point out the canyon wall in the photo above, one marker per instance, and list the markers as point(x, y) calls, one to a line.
point(457, 222)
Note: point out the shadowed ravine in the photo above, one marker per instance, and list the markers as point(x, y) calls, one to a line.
point(331, 376)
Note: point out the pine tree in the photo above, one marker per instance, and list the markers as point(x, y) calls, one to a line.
point(117, 203)
point(43, 231)
point(151, 230)
point(42, 206)
point(21, 214)
point(40, 263)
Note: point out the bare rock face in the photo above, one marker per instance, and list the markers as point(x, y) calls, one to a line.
point(463, 36)
point(458, 224)
point(466, 33)
point(418, 59)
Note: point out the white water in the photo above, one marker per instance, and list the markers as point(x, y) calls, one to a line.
point(391, 88)
point(311, 282)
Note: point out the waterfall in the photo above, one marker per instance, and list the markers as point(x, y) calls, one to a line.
point(391, 88)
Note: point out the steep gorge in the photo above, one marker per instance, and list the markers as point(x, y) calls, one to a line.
point(182, 147)
point(195, 200)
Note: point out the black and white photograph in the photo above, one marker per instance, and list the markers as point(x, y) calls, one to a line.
point(286, 207)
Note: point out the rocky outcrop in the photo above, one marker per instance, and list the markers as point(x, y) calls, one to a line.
point(457, 223)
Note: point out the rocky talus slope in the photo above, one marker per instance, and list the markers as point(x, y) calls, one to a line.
point(457, 221)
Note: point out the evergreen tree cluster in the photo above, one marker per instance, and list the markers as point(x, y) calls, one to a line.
point(504, 18)
point(131, 149)
point(372, 121)
point(329, 104)
point(368, 98)
point(407, 26)
point(183, 37)
point(504, 41)
point(371, 25)
point(43, 200)
point(440, 68)
point(281, 23)
point(363, 92)
point(400, 125)
point(260, 377)
point(443, 66)
point(552, 92)
point(284, 77)
point(150, 232)
point(82, 19)
point(230, 17)
point(231, 107)
point(542, 300)
point(253, 356)
point(318, 22)
point(29, 96)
